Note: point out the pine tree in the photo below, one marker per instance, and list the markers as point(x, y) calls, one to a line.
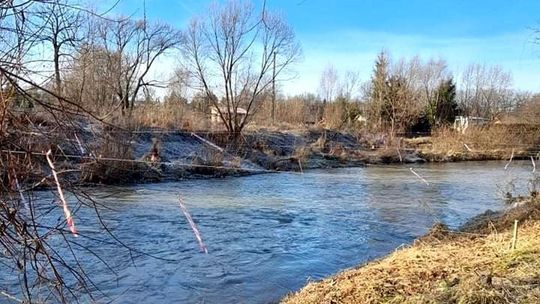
point(446, 105)
point(379, 88)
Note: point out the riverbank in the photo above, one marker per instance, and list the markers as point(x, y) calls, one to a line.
point(187, 155)
point(111, 155)
point(475, 264)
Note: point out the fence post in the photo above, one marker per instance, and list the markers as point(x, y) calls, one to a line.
point(515, 235)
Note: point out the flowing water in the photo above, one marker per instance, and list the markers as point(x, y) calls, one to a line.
point(268, 235)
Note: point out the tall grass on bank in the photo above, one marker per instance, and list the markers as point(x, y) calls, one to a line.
point(169, 116)
point(489, 142)
point(299, 113)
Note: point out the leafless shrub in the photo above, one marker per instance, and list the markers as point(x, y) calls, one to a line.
point(169, 116)
point(110, 162)
point(302, 153)
point(490, 138)
point(321, 142)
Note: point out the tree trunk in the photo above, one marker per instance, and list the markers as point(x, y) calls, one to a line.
point(58, 79)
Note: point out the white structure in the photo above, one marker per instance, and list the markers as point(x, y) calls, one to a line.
point(241, 114)
point(361, 119)
point(461, 123)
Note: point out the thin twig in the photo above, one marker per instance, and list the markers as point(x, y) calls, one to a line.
point(509, 161)
point(10, 297)
point(80, 145)
point(421, 178)
point(514, 235)
point(211, 144)
point(67, 213)
point(23, 200)
point(185, 211)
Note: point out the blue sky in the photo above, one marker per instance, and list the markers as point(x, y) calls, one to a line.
point(348, 34)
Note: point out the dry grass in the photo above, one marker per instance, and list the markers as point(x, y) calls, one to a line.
point(341, 115)
point(302, 154)
point(459, 269)
point(321, 142)
point(291, 113)
point(170, 116)
point(296, 113)
point(491, 142)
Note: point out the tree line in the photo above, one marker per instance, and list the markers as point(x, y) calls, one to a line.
point(231, 57)
point(416, 94)
point(106, 64)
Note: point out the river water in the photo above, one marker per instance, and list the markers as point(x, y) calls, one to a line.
point(268, 235)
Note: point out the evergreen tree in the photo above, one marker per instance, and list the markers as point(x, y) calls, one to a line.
point(379, 88)
point(446, 105)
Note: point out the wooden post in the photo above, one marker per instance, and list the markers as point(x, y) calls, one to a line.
point(515, 235)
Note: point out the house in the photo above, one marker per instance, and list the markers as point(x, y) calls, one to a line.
point(462, 123)
point(241, 114)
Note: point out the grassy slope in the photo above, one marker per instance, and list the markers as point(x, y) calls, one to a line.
point(457, 269)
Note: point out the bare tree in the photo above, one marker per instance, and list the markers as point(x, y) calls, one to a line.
point(328, 85)
point(179, 84)
point(529, 111)
point(395, 101)
point(350, 84)
point(433, 73)
point(232, 52)
point(90, 79)
point(132, 48)
point(61, 26)
point(485, 90)
point(400, 109)
point(26, 248)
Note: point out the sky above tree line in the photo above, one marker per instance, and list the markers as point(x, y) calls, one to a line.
point(348, 34)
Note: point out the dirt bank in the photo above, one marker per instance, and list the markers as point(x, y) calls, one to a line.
point(473, 265)
point(115, 156)
point(105, 154)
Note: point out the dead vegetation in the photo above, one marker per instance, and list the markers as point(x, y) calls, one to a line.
point(169, 115)
point(447, 267)
point(493, 142)
point(112, 162)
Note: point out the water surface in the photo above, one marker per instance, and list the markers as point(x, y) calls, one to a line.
point(268, 235)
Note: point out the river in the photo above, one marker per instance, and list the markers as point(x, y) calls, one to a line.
point(268, 235)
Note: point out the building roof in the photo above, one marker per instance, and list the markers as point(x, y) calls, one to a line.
point(223, 109)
